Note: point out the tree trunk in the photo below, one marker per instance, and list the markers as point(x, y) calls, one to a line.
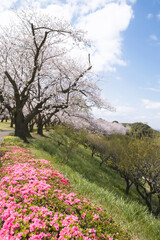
point(146, 197)
point(93, 151)
point(40, 125)
point(101, 162)
point(31, 127)
point(27, 132)
point(46, 127)
point(128, 185)
point(67, 155)
point(157, 212)
point(104, 159)
point(40, 129)
point(12, 122)
point(20, 127)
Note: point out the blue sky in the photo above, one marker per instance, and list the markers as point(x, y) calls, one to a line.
point(135, 88)
point(125, 53)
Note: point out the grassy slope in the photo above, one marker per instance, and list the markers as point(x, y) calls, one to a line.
point(103, 186)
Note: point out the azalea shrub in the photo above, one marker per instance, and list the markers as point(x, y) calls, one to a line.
point(37, 202)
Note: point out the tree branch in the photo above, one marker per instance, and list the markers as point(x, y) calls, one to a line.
point(16, 92)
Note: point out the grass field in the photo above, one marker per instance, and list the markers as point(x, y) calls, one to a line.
point(5, 126)
point(100, 184)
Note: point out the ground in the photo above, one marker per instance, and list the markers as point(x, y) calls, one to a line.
point(4, 133)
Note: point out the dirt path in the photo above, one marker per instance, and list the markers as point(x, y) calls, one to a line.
point(4, 133)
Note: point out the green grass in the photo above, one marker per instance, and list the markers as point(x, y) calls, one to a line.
point(5, 126)
point(100, 184)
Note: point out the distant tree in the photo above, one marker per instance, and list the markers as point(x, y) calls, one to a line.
point(107, 128)
point(115, 121)
point(141, 130)
point(138, 162)
point(114, 153)
point(144, 168)
point(96, 142)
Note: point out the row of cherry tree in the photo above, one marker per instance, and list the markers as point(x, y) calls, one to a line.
point(40, 70)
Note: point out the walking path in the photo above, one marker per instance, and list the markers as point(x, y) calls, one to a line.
point(4, 133)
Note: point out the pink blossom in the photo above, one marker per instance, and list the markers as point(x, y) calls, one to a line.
point(96, 217)
point(27, 182)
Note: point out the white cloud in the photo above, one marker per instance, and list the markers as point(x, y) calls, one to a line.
point(6, 4)
point(85, 7)
point(148, 112)
point(104, 28)
point(150, 104)
point(6, 18)
point(153, 89)
point(140, 117)
point(61, 11)
point(121, 111)
point(158, 16)
point(132, 1)
point(157, 116)
point(123, 114)
point(153, 37)
point(104, 21)
point(149, 15)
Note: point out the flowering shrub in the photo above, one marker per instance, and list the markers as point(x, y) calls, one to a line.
point(37, 202)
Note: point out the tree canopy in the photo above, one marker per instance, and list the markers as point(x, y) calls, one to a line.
point(40, 72)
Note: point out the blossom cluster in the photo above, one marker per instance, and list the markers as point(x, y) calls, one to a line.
point(37, 202)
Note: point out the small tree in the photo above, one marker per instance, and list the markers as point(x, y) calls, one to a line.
point(65, 136)
point(115, 154)
point(145, 171)
point(138, 162)
point(96, 142)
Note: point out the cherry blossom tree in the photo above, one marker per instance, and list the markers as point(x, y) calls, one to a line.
point(36, 67)
point(82, 118)
point(107, 128)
